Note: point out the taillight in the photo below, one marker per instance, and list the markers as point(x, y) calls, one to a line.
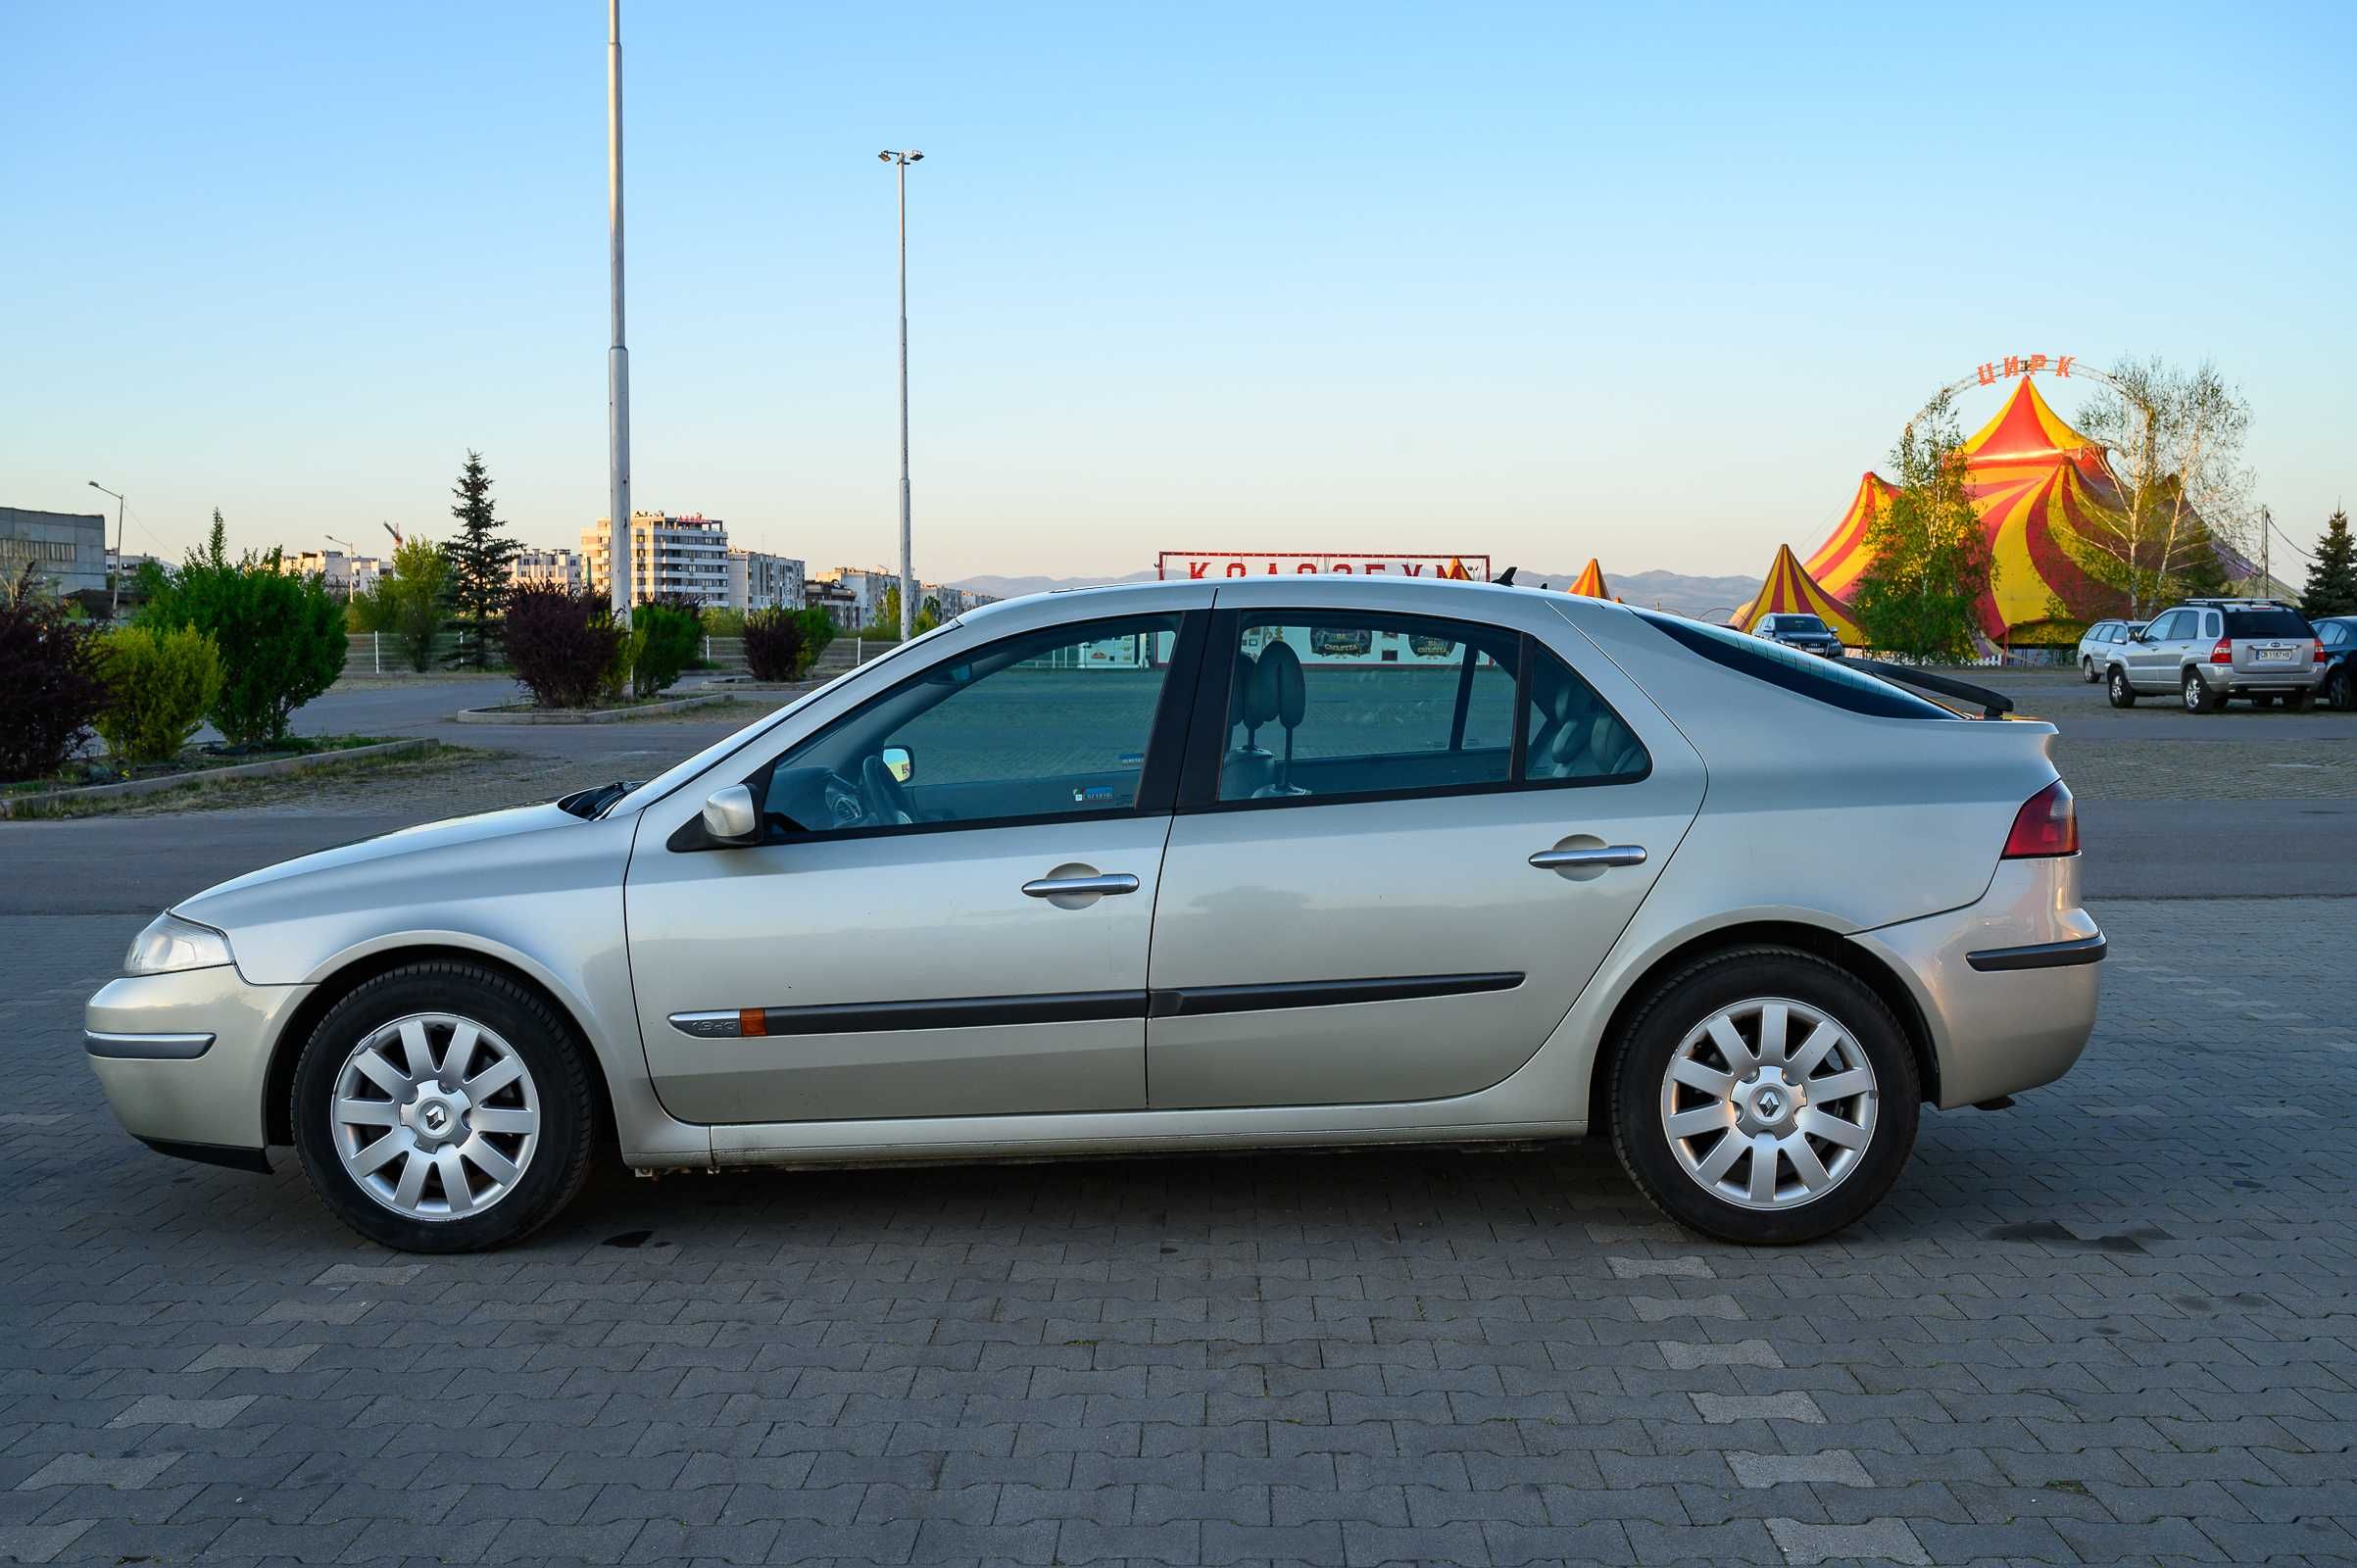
point(2224, 653)
point(2318, 656)
point(2046, 824)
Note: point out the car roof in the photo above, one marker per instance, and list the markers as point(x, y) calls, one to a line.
point(1318, 587)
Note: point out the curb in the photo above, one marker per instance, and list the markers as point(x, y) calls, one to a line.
point(29, 805)
point(600, 715)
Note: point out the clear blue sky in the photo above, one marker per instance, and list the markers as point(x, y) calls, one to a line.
point(1545, 281)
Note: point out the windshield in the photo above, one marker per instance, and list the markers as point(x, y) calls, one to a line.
point(670, 778)
point(1800, 623)
point(2266, 623)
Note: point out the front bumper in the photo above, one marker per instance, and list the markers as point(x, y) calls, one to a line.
point(184, 1058)
point(2008, 985)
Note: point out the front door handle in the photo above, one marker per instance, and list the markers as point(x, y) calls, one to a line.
point(1053, 887)
point(1573, 860)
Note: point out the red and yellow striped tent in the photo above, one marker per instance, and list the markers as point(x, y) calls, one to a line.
point(2041, 489)
point(1590, 582)
point(1791, 590)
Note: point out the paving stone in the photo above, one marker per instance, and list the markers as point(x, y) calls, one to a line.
point(1877, 1540)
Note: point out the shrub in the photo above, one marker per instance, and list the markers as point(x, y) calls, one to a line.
point(281, 639)
point(563, 645)
point(420, 584)
point(775, 648)
point(51, 687)
point(818, 629)
point(719, 620)
point(663, 637)
point(160, 683)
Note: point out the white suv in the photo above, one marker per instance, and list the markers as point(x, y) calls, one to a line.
point(2104, 638)
point(2211, 650)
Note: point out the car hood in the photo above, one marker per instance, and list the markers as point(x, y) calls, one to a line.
point(536, 884)
point(425, 839)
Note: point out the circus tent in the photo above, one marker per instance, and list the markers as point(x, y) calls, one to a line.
point(1590, 582)
point(1791, 590)
point(2043, 490)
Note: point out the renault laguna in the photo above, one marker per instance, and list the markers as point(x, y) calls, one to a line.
point(1165, 868)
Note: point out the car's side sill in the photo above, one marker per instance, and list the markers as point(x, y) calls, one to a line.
point(256, 1160)
point(2040, 954)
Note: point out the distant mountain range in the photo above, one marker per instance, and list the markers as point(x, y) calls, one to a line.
point(1667, 590)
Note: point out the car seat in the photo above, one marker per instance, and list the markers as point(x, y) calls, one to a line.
point(1282, 696)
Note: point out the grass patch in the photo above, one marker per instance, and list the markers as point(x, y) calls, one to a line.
point(193, 759)
point(197, 793)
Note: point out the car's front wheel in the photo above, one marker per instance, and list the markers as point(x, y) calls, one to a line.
point(2121, 693)
point(442, 1107)
point(1764, 1096)
point(2086, 670)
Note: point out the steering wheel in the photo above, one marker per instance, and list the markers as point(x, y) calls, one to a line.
point(886, 802)
point(845, 806)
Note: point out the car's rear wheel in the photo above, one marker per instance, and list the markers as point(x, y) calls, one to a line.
point(2196, 694)
point(1764, 1096)
point(2298, 702)
point(2340, 691)
point(442, 1107)
point(2121, 693)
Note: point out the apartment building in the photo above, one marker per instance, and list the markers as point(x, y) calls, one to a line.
point(757, 580)
point(344, 574)
point(670, 557)
point(554, 568)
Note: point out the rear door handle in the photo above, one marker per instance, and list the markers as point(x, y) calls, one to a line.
point(1608, 854)
point(1049, 886)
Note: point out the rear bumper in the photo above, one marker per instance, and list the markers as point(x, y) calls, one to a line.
point(2007, 986)
point(2253, 682)
point(184, 1060)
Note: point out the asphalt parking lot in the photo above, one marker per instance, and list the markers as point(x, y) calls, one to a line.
point(2117, 1322)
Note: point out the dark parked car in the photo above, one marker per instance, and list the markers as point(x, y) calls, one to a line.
point(1805, 632)
point(2338, 637)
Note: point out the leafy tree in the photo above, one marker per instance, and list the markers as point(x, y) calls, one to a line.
point(160, 683)
point(819, 629)
point(414, 597)
point(563, 645)
point(887, 621)
point(663, 636)
point(282, 638)
point(2175, 443)
point(482, 562)
point(51, 687)
point(720, 620)
point(2332, 572)
point(1931, 564)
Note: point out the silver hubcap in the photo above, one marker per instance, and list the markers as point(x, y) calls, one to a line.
point(1769, 1103)
point(2192, 691)
point(435, 1116)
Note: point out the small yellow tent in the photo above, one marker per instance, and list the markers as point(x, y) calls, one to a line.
point(1791, 590)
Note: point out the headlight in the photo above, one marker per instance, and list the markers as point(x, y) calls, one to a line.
point(170, 943)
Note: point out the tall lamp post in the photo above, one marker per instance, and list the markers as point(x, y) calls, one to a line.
point(114, 603)
point(900, 162)
point(618, 353)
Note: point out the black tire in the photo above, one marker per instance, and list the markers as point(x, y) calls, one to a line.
point(558, 1164)
point(1680, 1003)
point(2197, 696)
point(2117, 689)
point(2086, 671)
point(2340, 691)
point(2299, 702)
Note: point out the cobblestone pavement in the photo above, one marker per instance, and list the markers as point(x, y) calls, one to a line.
point(2115, 1323)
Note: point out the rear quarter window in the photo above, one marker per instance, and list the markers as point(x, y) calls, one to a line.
point(1806, 674)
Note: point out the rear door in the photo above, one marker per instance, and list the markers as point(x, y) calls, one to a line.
point(1401, 856)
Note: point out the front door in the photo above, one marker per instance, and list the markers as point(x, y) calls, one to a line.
point(2153, 663)
point(1420, 840)
point(950, 911)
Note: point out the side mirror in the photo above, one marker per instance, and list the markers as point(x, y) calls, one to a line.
point(729, 815)
point(900, 762)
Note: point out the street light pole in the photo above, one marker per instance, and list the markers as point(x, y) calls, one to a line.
point(900, 162)
point(618, 353)
point(114, 602)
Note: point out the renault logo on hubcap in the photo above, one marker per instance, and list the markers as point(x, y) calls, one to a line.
point(1770, 1103)
point(436, 1119)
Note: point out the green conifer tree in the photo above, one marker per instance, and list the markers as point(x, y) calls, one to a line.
point(481, 561)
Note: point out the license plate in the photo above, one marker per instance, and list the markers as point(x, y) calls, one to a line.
point(2274, 656)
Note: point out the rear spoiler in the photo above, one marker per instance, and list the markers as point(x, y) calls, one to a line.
point(1992, 703)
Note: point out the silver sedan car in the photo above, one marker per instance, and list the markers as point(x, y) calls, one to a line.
point(1178, 867)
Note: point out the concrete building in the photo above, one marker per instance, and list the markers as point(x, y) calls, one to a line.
point(68, 550)
point(670, 557)
point(866, 587)
point(344, 574)
point(757, 580)
point(558, 569)
point(841, 604)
